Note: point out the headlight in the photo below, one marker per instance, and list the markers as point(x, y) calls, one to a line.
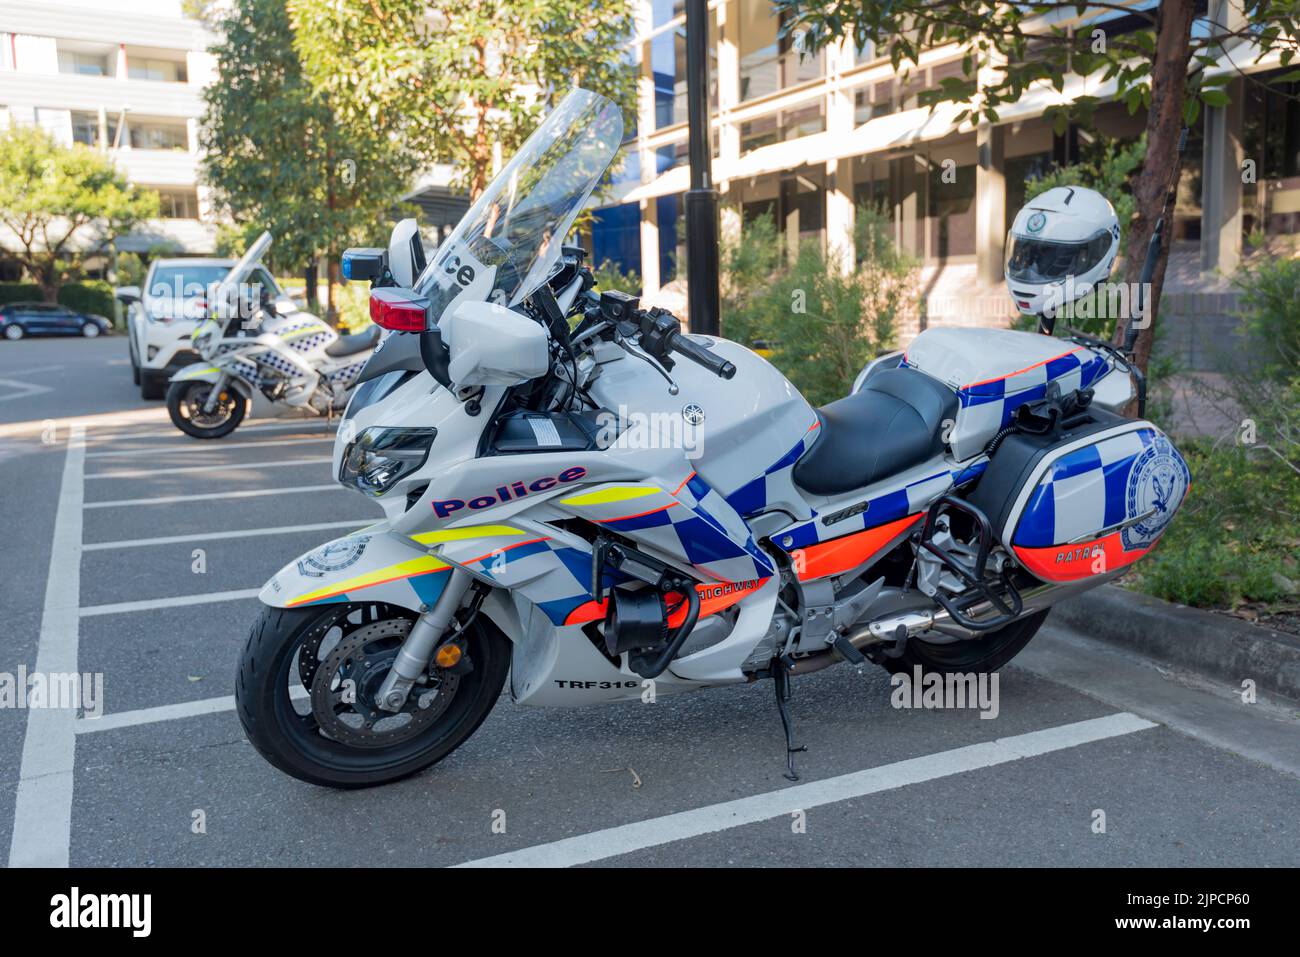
point(378, 458)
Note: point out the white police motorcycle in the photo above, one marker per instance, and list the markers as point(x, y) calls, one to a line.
point(255, 354)
point(537, 524)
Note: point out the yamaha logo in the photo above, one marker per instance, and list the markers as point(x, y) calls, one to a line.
point(693, 414)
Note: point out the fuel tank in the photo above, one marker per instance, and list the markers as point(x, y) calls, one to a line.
point(741, 435)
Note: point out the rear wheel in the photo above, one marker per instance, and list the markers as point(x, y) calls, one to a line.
point(305, 694)
point(985, 654)
point(185, 402)
point(14, 332)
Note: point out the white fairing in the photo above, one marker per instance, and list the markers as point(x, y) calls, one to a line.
point(749, 422)
point(493, 345)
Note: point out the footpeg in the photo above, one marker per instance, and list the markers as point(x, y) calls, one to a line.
point(849, 653)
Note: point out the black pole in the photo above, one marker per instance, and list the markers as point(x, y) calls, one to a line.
point(701, 198)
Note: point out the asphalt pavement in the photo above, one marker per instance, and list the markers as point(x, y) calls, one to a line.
point(132, 551)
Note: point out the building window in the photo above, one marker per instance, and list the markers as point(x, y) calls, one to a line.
point(951, 210)
point(769, 61)
point(671, 250)
point(668, 64)
point(83, 64)
point(153, 135)
point(786, 125)
point(616, 237)
point(1271, 135)
point(159, 71)
point(85, 128)
point(178, 203)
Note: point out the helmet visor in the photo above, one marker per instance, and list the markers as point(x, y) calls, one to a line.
point(1034, 260)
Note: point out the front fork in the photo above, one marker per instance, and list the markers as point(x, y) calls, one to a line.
point(210, 403)
point(418, 648)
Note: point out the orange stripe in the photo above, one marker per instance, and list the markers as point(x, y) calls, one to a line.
point(1064, 563)
point(841, 554)
point(621, 518)
point(713, 599)
point(498, 551)
point(683, 485)
point(1008, 375)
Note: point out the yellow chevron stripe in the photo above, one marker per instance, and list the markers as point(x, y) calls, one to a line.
point(619, 493)
point(461, 534)
point(414, 566)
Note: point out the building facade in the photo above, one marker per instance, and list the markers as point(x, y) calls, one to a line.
point(124, 77)
point(807, 140)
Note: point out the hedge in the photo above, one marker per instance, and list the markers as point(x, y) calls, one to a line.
point(93, 296)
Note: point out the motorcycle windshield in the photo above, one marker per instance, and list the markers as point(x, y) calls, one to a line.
point(507, 244)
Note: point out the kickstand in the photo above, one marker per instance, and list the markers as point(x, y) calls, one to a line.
point(781, 682)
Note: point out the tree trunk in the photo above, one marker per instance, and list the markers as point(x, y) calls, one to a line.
point(1164, 126)
point(310, 278)
point(333, 277)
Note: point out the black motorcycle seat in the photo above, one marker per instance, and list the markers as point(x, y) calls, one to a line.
point(351, 345)
point(895, 421)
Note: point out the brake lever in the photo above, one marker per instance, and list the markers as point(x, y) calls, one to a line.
point(627, 347)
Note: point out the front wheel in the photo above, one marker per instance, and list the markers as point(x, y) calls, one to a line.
point(981, 655)
point(90, 330)
point(185, 402)
point(306, 684)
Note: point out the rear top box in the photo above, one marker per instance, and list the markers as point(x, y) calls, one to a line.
point(1085, 500)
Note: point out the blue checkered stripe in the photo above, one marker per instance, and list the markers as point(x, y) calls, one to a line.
point(1082, 492)
point(987, 407)
point(885, 507)
point(346, 374)
point(773, 485)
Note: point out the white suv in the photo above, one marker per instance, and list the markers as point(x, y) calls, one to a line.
point(161, 318)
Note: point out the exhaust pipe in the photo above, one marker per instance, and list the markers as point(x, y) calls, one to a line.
point(897, 628)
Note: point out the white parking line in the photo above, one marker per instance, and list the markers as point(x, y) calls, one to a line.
point(215, 536)
point(170, 433)
point(211, 496)
point(150, 473)
point(170, 712)
point(627, 838)
point(200, 446)
point(43, 804)
point(175, 601)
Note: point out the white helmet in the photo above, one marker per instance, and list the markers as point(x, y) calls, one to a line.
point(1061, 244)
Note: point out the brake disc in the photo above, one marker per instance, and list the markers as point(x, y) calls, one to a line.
point(344, 685)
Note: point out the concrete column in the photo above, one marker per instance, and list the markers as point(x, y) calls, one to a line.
point(728, 88)
point(840, 213)
point(990, 202)
point(649, 247)
point(907, 175)
point(1221, 183)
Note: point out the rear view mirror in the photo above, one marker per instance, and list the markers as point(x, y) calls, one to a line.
point(127, 294)
point(493, 345)
point(406, 253)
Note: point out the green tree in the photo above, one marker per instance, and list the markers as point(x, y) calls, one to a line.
point(278, 157)
point(62, 204)
point(1011, 46)
point(465, 83)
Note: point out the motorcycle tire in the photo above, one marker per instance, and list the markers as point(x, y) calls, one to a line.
point(981, 655)
point(295, 743)
point(182, 396)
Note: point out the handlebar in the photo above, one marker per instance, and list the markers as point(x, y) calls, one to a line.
point(701, 356)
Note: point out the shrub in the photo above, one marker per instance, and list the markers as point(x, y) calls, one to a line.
point(821, 318)
point(19, 292)
point(609, 276)
point(92, 296)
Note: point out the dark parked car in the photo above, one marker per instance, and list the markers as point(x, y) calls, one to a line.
point(20, 319)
